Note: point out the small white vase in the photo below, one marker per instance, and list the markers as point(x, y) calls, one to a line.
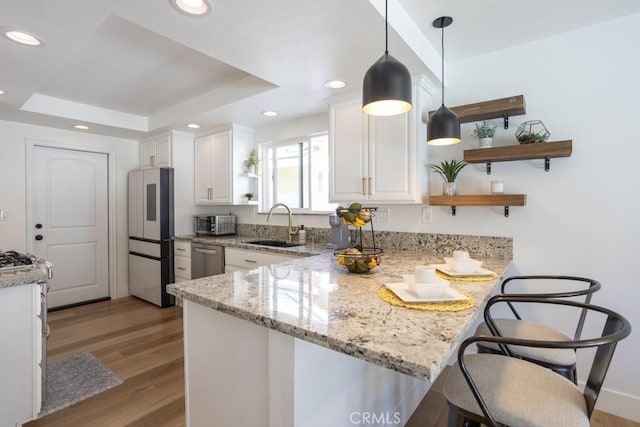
point(449, 189)
point(485, 142)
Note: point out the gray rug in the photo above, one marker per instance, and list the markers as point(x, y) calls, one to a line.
point(73, 379)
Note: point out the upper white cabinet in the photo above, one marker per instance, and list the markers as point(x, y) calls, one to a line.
point(377, 159)
point(219, 177)
point(157, 152)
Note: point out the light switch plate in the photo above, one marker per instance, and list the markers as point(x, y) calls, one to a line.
point(426, 215)
point(382, 216)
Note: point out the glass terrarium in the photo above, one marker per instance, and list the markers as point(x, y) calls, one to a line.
point(532, 131)
point(364, 255)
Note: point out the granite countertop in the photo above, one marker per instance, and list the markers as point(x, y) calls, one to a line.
point(240, 242)
point(316, 300)
point(35, 275)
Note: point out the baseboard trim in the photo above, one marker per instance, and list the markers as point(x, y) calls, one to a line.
point(617, 403)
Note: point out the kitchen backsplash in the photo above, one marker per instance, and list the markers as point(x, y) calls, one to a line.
point(479, 246)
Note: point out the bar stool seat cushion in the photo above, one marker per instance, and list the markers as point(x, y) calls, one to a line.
point(523, 329)
point(518, 393)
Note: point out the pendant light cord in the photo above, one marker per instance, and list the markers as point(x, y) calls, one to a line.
point(386, 29)
point(442, 39)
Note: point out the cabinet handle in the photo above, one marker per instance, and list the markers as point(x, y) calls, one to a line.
point(181, 268)
point(252, 261)
point(364, 186)
point(181, 249)
point(209, 193)
point(370, 180)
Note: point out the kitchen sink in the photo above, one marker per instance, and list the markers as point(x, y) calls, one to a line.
point(276, 243)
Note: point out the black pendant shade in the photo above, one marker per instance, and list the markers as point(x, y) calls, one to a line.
point(386, 88)
point(443, 127)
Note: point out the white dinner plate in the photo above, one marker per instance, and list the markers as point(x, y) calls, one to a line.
point(449, 271)
point(404, 293)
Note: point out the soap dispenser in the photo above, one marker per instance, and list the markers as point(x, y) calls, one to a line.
point(302, 235)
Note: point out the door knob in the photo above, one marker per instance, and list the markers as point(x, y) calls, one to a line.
point(39, 237)
point(38, 226)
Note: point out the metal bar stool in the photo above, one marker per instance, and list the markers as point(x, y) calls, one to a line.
point(562, 361)
point(503, 390)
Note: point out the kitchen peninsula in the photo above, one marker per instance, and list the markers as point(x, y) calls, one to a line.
point(305, 343)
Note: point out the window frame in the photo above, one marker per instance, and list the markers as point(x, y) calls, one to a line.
point(263, 148)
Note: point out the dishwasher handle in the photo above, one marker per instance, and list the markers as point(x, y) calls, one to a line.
point(206, 251)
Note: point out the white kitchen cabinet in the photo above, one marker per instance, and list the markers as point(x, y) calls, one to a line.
point(21, 354)
point(182, 260)
point(219, 178)
point(377, 159)
point(243, 259)
point(157, 152)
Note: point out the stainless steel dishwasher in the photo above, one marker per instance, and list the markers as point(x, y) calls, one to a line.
point(206, 260)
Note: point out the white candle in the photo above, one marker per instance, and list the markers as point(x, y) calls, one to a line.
point(497, 187)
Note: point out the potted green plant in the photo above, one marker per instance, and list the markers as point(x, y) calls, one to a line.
point(251, 163)
point(485, 132)
point(449, 171)
point(249, 196)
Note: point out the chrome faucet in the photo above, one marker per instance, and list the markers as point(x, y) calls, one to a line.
point(275, 205)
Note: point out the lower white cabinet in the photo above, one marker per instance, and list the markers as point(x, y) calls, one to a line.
point(182, 260)
point(244, 259)
point(20, 354)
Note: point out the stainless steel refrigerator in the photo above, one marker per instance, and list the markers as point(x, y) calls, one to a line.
point(150, 232)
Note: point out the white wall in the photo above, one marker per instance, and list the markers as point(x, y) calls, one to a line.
point(581, 217)
point(13, 184)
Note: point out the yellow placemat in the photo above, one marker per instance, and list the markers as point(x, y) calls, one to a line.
point(466, 278)
point(387, 295)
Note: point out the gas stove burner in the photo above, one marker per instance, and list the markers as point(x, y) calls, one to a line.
point(14, 259)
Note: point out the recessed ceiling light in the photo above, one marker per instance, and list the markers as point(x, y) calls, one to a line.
point(192, 7)
point(82, 127)
point(1, 92)
point(22, 37)
point(270, 113)
point(193, 126)
point(335, 84)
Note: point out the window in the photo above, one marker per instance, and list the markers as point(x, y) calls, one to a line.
point(296, 172)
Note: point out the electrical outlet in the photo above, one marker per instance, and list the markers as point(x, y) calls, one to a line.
point(426, 215)
point(5, 215)
point(382, 215)
point(252, 211)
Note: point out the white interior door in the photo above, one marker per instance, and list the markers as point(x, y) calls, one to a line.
point(70, 222)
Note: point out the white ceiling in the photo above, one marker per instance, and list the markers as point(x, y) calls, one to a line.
point(132, 68)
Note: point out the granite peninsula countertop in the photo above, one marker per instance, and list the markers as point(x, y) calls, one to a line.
point(315, 299)
point(35, 275)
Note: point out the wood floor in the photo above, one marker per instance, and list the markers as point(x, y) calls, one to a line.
point(142, 344)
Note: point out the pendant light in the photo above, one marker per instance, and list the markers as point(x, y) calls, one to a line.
point(443, 127)
point(386, 89)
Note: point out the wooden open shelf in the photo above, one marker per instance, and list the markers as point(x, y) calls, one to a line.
point(505, 200)
point(497, 108)
point(539, 150)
